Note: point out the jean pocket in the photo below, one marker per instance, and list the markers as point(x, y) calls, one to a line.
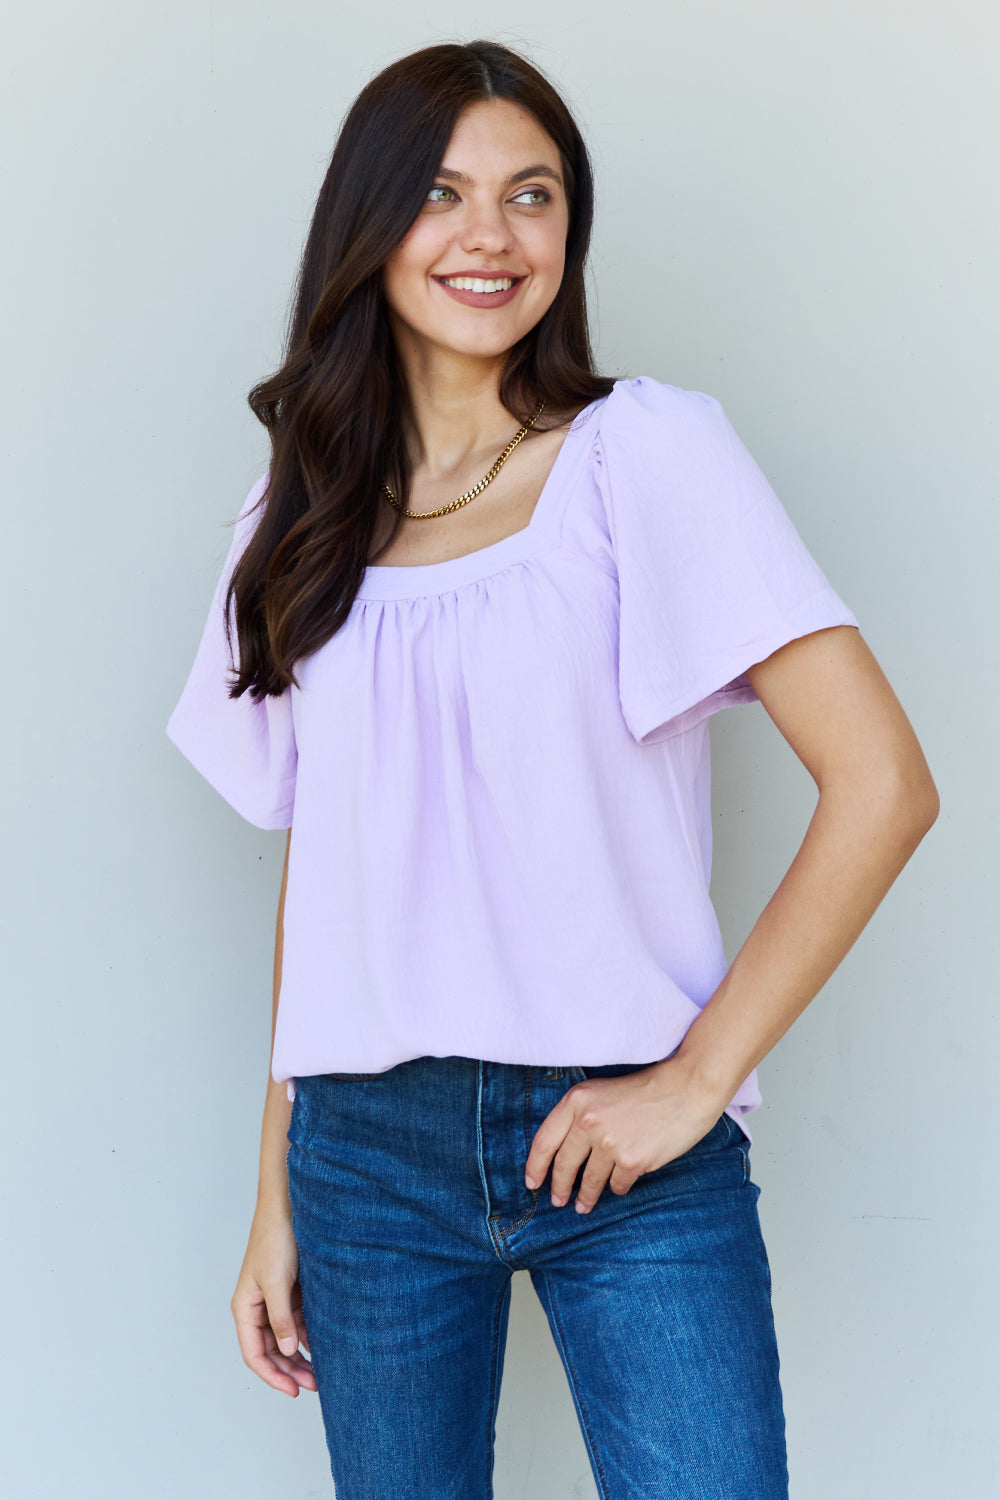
point(323, 1101)
point(296, 1125)
point(717, 1149)
point(740, 1143)
point(719, 1137)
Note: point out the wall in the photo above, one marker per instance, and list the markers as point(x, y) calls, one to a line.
point(797, 215)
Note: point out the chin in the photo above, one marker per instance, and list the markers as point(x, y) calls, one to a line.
point(501, 343)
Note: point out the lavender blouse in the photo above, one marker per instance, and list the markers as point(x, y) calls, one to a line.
point(499, 765)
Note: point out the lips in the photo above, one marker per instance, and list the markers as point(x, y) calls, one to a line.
point(482, 300)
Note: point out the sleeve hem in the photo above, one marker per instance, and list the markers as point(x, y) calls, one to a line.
point(268, 818)
point(727, 684)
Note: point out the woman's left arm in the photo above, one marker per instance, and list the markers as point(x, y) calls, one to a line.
point(829, 698)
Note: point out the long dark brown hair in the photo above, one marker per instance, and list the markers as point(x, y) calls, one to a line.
point(334, 409)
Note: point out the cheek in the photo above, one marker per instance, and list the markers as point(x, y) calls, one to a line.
point(549, 248)
point(420, 248)
point(402, 280)
point(549, 259)
point(409, 259)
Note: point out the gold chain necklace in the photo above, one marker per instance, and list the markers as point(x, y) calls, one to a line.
point(420, 515)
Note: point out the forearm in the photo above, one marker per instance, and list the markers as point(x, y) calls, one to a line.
point(272, 1184)
point(857, 842)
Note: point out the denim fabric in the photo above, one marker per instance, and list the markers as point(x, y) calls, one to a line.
point(411, 1216)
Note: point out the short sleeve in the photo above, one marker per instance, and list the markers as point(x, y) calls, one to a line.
point(245, 750)
point(713, 576)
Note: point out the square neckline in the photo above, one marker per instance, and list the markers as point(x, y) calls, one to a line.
point(401, 580)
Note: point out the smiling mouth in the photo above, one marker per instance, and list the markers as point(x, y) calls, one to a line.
point(480, 291)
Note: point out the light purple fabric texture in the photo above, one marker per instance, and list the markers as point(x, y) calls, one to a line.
point(499, 766)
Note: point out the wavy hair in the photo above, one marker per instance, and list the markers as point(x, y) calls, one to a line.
point(333, 410)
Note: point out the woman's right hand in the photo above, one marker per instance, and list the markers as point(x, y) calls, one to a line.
point(267, 1302)
point(267, 1306)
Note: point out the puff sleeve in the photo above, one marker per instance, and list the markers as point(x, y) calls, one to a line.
point(245, 750)
point(712, 574)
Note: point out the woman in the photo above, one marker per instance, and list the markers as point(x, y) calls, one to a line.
point(481, 608)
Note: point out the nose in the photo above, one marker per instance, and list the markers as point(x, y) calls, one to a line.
point(486, 230)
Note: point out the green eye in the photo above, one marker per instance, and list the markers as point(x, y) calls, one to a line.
point(539, 195)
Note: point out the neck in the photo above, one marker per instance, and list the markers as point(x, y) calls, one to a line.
point(453, 416)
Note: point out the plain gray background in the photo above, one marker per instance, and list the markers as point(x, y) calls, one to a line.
point(797, 213)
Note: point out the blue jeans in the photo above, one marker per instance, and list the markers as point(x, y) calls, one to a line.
point(411, 1215)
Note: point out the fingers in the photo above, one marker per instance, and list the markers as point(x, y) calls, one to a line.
point(548, 1138)
point(566, 1164)
point(281, 1317)
point(576, 1131)
point(596, 1173)
point(300, 1322)
point(268, 1337)
point(602, 1170)
point(586, 1140)
point(624, 1177)
point(257, 1346)
point(296, 1366)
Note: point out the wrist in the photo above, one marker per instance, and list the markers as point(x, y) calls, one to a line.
point(273, 1204)
point(702, 1081)
point(272, 1186)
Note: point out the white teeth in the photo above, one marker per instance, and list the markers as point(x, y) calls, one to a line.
point(474, 284)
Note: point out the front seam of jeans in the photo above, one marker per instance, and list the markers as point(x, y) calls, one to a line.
point(491, 1218)
point(479, 1137)
point(527, 1110)
point(575, 1384)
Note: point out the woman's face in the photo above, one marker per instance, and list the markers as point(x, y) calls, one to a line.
point(497, 209)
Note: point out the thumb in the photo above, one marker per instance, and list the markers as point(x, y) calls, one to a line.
point(282, 1319)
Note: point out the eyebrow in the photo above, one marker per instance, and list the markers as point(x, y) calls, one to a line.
point(539, 170)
